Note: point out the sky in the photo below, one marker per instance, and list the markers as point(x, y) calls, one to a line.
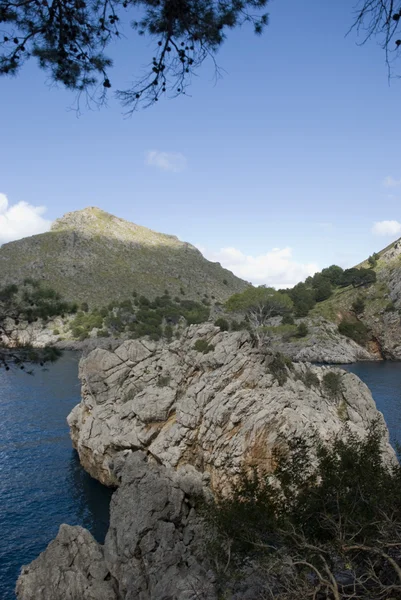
point(290, 163)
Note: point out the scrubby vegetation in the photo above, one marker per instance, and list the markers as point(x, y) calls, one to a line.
point(309, 379)
point(139, 317)
point(302, 330)
point(332, 383)
point(279, 366)
point(356, 330)
point(321, 528)
point(223, 324)
point(203, 346)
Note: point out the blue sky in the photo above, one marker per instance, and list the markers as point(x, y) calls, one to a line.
point(281, 168)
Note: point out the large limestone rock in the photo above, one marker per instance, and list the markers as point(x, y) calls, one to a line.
point(217, 411)
point(154, 544)
point(168, 424)
point(153, 550)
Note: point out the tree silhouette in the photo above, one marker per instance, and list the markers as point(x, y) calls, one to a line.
point(69, 39)
point(380, 19)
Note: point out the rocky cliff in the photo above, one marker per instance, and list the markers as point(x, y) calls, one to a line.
point(215, 411)
point(169, 424)
point(92, 256)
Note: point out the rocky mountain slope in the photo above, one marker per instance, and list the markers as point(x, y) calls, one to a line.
point(92, 256)
point(169, 424)
point(382, 304)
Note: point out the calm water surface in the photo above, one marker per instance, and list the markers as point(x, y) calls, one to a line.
point(41, 481)
point(384, 381)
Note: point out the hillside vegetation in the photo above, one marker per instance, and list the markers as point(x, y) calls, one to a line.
point(91, 256)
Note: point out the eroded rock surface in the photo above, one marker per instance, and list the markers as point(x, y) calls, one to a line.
point(168, 425)
point(216, 411)
point(153, 549)
point(71, 568)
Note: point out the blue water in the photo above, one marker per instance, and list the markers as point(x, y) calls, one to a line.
point(41, 481)
point(384, 381)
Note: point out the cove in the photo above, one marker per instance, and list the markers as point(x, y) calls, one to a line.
point(42, 483)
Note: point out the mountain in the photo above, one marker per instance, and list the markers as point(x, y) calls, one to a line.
point(92, 256)
point(381, 303)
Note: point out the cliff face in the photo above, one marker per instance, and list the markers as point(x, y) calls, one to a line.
point(92, 256)
point(169, 425)
point(217, 411)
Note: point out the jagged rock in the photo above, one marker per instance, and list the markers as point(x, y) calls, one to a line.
point(153, 549)
point(218, 411)
point(154, 543)
point(71, 568)
point(323, 344)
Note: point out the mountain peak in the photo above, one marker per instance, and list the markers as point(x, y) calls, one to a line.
point(93, 221)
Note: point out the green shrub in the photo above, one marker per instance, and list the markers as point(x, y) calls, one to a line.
point(342, 410)
point(302, 330)
point(225, 281)
point(168, 332)
point(287, 320)
point(356, 330)
point(103, 333)
point(143, 301)
point(84, 307)
point(222, 323)
point(315, 525)
point(358, 306)
point(56, 332)
point(279, 365)
point(77, 331)
point(332, 383)
point(310, 379)
point(239, 326)
point(203, 346)
point(390, 307)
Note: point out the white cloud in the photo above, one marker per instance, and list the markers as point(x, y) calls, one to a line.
point(20, 220)
point(391, 182)
point(166, 161)
point(390, 228)
point(276, 268)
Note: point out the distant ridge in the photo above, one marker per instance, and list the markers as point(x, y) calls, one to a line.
point(90, 255)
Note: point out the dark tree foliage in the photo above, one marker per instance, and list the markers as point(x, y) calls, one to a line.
point(333, 274)
point(358, 277)
point(303, 297)
point(69, 38)
point(356, 330)
point(324, 525)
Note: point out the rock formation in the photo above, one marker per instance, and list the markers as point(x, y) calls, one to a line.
point(169, 424)
point(216, 411)
point(153, 549)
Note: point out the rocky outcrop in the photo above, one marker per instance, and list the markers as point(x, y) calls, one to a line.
point(72, 568)
point(218, 411)
point(153, 550)
point(323, 344)
point(169, 424)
